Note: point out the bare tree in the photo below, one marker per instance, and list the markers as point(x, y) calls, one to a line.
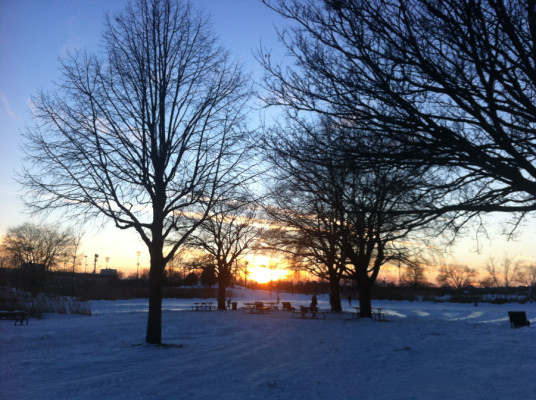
point(34, 244)
point(414, 275)
point(456, 276)
point(528, 276)
point(450, 82)
point(35, 250)
point(503, 273)
point(309, 238)
point(148, 137)
point(227, 236)
point(346, 219)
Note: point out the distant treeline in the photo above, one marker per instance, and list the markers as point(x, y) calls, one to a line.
point(102, 287)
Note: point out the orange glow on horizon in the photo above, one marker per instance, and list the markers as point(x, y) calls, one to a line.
point(263, 268)
point(265, 275)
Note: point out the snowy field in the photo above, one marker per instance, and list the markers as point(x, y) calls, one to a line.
point(422, 351)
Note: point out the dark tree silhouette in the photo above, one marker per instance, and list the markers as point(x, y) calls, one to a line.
point(227, 236)
point(306, 203)
point(149, 136)
point(208, 275)
point(450, 83)
point(456, 276)
point(35, 250)
point(343, 219)
point(35, 244)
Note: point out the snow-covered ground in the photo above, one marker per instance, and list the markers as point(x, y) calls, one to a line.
point(422, 351)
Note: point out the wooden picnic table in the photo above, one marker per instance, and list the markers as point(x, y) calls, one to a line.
point(203, 306)
point(257, 307)
point(18, 316)
point(308, 312)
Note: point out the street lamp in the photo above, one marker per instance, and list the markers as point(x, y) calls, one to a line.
point(138, 253)
point(107, 259)
point(95, 264)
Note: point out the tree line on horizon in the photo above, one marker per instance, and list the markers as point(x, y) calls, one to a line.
point(38, 252)
point(402, 123)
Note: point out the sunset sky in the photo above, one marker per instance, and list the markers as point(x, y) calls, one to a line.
point(34, 33)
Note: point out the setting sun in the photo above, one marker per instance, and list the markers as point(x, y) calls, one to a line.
point(263, 269)
point(264, 275)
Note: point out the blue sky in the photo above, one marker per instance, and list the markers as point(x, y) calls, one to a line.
point(34, 33)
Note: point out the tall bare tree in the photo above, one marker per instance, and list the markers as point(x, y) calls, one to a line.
point(451, 82)
point(36, 244)
point(147, 136)
point(35, 250)
point(227, 237)
point(346, 219)
point(528, 276)
point(306, 201)
point(456, 276)
point(502, 273)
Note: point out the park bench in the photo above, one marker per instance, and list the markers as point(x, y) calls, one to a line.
point(18, 316)
point(518, 319)
point(287, 306)
point(377, 313)
point(308, 312)
point(260, 307)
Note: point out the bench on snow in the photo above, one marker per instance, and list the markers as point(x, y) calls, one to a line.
point(308, 312)
point(377, 313)
point(518, 319)
point(287, 306)
point(18, 316)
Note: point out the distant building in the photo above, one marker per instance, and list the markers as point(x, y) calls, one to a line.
point(108, 272)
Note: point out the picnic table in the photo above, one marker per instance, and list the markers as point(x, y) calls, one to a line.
point(308, 312)
point(257, 307)
point(287, 306)
point(203, 306)
point(18, 316)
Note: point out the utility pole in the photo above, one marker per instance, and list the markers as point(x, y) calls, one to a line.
point(95, 264)
point(138, 253)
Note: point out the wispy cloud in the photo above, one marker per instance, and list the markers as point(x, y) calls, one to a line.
point(7, 106)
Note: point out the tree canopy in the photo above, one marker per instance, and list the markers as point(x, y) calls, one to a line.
point(449, 83)
point(148, 135)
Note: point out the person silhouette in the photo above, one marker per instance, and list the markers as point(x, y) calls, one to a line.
point(314, 302)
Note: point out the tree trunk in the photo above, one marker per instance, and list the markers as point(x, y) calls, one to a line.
point(222, 286)
point(223, 282)
point(335, 294)
point(365, 295)
point(154, 322)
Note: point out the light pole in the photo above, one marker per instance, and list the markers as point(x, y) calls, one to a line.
point(107, 259)
point(85, 267)
point(95, 264)
point(138, 253)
